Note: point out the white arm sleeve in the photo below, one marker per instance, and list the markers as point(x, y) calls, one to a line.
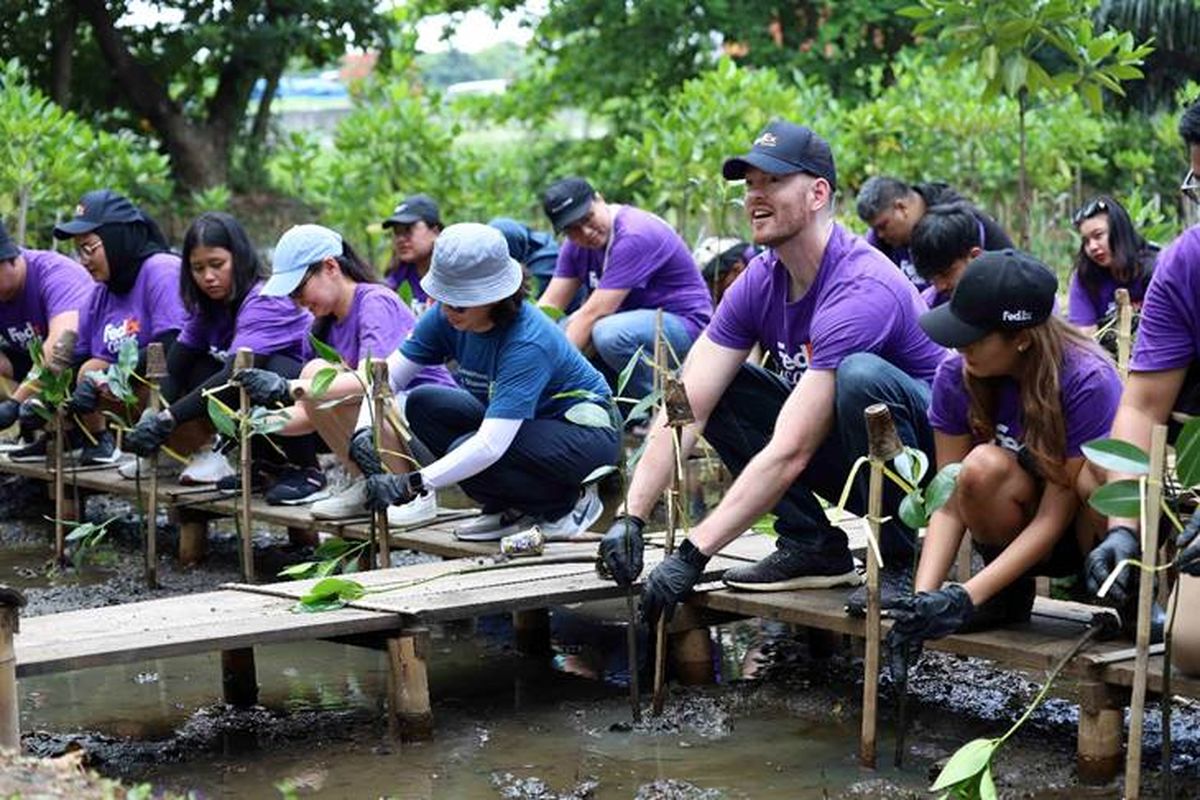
point(474, 455)
point(400, 372)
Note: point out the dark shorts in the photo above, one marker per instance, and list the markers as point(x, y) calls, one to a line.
point(21, 363)
point(1065, 559)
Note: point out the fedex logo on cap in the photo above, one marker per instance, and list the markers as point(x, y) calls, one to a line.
point(80, 210)
point(566, 203)
point(400, 208)
point(766, 140)
point(1020, 315)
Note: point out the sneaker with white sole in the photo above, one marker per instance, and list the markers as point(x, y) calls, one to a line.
point(103, 450)
point(583, 516)
point(36, 450)
point(492, 527)
point(297, 486)
point(206, 466)
point(418, 511)
point(351, 501)
point(141, 466)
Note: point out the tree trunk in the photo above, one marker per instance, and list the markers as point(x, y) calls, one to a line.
point(62, 53)
point(262, 117)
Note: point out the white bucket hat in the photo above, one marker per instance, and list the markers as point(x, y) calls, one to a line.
point(471, 267)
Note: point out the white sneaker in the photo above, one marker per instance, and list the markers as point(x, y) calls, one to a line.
point(351, 501)
point(419, 511)
point(129, 470)
point(206, 466)
point(583, 516)
point(491, 527)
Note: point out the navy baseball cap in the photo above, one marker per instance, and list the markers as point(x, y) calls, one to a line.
point(96, 208)
point(8, 248)
point(1002, 290)
point(416, 208)
point(567, 201)
point(783, 149)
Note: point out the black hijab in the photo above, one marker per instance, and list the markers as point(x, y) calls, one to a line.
point(126, 246)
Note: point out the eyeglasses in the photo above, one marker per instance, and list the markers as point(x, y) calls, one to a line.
point(1090, 210)
point(1191, 186)
point(88, 249)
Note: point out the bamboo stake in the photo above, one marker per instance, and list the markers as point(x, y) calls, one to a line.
point(882, 445)
point(1137, 704)
point(60, 361)
point(156, 372)
point(379, 387)
point(244, 359)
point(1124, 331)
point(635, 700)
point(660, 631)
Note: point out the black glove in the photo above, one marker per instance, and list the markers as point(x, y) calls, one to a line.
point(33, 415)
point(929, 615)
point(621, 549)
point(363, 453)
point(388, 490)
point(264, 387)
point(10, 411)
point(149, 434)
point(1188, 559)
point(1119, 544)
point(85, 399)
point(670, 581)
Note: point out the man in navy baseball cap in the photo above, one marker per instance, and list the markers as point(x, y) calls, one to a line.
point(784, 148)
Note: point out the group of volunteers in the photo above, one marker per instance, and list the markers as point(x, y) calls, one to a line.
point(933, 313)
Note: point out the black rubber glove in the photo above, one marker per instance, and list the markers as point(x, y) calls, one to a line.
point(86, 398)
point(670, 581)
point(621, 549)
point(149, 434)
point(1120, 543)
point(1188, 559)
point(10, 411)
point(390, 490)
point(33, 415)
point(929, 615)
point(264, 387)
point(363, 452)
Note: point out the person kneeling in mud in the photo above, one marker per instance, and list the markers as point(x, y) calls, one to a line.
point(506, 436)
point(1014, 405)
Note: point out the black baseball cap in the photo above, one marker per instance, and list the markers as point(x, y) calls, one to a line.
point(96, 208)
point(567, 201)
point(1002, 290)
point(782, 149)
point(416, 208)
point(8, 248)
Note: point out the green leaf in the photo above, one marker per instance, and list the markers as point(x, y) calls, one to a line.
point(322, 380)
point(941, 487)
point(81, 532)
point(298, 571)
point(589, 415)
point(1117, 499)
point(1015, 70)
point(333, 547)
point(643, 406)
point(627, 370)
point(967, 762)
point(553, 312)
point(128, 357)
point(598, 473)
point(1117, 456)
point(632, 461)
point(318, 606)
point(221, 420)
point(912, 464)
point(341, 589)
point(1187, 454)
point(764, 524)
point(912, 511)
point(987, 787)
point(324, 351)
point(406, 293)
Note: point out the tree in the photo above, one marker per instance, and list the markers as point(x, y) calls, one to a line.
point(188, 81)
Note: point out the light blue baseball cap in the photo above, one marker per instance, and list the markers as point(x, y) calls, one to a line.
point(471, 267)
point(300, 247)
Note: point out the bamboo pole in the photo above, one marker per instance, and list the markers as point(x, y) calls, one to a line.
point(379, 387)
point(61, 357)
point(1124, 331)
point(244, 359)
point(1137, 704)
point(156, 372)
point(882, 444)
point(11, 602)
point(660, 631)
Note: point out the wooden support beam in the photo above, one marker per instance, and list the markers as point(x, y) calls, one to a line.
point(193, 537)
point(239, 679)
point(410, 712)
point(11, 602)
point(156, 373)
point(531, 631)
point(692, 654)
point(244, 359)
point(1101, 729)
point(302, 537)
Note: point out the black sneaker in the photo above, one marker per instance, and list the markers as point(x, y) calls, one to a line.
point(36, 450)
point(103, 451)
point(792, 568)
point(296, 486)
point(232, 484)
point(893, 584)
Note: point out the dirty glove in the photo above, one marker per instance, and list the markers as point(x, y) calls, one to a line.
point(930, 615)
point(85, 399)
point(363, 452)
point(10, 411)
point(1119, 544)
point(388, 490)
point(670, 581)
point(150, 433)
point(33, 415)
point(621, 549)
point(1188, 559)
point(265, 388)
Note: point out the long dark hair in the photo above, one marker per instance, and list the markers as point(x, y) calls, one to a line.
point(217, 229)
point(1132, 257)
point(505, 311)
point(354, 268)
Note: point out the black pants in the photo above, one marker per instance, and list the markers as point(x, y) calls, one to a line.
point(540, 472)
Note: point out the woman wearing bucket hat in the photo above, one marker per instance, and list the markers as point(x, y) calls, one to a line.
point(532, 418)
point(358, 317)
point(136, 298)
point(1014, 406)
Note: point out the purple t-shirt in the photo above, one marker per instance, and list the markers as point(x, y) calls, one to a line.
point(859, 303)
point(646, 256)
point(933, 298)
point(1084, 309)
point(1089, 390)
point(149, 310)
point(53, 284)
point(266, 325)
point(1168, 334)
point(406, 274)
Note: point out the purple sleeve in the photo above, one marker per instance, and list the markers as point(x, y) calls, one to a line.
point(949, 404)
point(571, 263)
point(163, 305)
point(633, 260)
point(269, 325)
point(1091, 395)
point(859, 319)
point(1080, 309)
point(192, 334)
point(66, 286)
point(734, 324)
point(1167, 335)
point(383, 322)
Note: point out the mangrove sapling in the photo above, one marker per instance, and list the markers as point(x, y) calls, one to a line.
point(53, 382)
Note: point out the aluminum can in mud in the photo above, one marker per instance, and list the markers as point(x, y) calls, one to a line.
point(525, 543)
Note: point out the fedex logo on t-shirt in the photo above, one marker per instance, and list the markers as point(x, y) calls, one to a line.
point(21, 336)
point(115, 333)
point(1003, 438)
point(793, 366)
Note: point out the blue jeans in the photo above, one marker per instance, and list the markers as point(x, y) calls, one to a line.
point(618, 336)
point(744, 421)
point(541, 471)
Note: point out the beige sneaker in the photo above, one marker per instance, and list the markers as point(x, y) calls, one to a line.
point(351, 501)
point(419, 511)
